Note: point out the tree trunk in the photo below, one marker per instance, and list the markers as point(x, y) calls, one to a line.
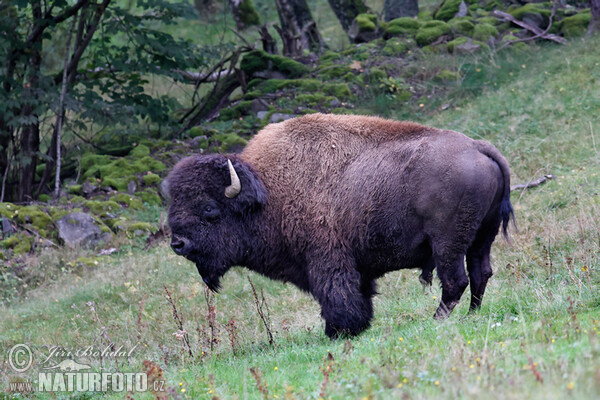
point(298, 27)
point(594, 25)
point(347, 10)
point(244, 13)
point(400, 8)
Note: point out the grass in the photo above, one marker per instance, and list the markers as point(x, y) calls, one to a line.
point(535, 337)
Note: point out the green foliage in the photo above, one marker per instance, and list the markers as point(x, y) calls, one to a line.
point(401, 26)
point(151, 179)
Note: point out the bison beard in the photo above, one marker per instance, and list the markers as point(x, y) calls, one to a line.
point(331, 203)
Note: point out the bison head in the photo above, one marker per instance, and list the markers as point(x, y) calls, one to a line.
point(213, 203)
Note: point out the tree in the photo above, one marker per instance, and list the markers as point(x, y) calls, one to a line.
point(108, 89)
point(298, 30)
point(400, 8)
point(347, 10)
point(594, 25)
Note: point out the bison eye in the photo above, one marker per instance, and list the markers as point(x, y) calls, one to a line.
point(210, 212)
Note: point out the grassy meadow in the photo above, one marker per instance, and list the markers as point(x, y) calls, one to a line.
point(536, 336)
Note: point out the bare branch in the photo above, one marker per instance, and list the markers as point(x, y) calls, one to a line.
point(532, 184)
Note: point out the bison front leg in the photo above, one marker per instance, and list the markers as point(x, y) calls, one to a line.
point(346, 309)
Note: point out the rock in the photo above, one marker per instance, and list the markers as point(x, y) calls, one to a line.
point(7, 227)
point(79, 229)
point(258, 105)
point(164, 189)
point(335, 103)
point(88, 188)
point(261, 114)
point(278, 117)
point(198, 142)
point(462, 10)
point(131, 187)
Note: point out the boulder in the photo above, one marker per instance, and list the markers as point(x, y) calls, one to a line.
point(7, 227)
point(80, 229)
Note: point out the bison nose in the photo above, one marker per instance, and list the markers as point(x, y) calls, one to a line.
point(179, 245)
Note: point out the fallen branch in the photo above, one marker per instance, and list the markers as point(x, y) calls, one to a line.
point(532, 28)
point(532, 184)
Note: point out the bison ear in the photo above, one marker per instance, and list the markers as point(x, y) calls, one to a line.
point(253, 194)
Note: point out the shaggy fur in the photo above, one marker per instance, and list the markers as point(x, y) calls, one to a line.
point(331, 203)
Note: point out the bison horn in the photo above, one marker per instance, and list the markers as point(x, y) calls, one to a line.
point(236, 187)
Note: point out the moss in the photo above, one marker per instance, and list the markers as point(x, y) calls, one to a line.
point(461, 25)
point(100, 207)
point(448, 10)
point(36, 216)
point(44, 198)
point(349, 77)
point(89, 160)
point(252, 95)
point(19, 243)
point(258, 60)
point(366, 22)
point(484, 32)
point(248, 13)
point(532, 8)
point(75, 189)
point(455, 43)
point(395, 47)
point(373, 76)
point(140, 151)
point(339, 90)
point(401, 26)
point(7, 210)
point(489, 20)
point(576, 25)
point(329, 56)
point(151, 179)
point(139, 228)
point(271, 85)
point(334, 71)
point(236, 111)
point(131, 201)
point(431, 31)
point(446, 76)
point(230, 141)
point(314, 99)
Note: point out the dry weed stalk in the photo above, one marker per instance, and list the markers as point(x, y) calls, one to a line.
point(103, 334)
point(230, 327)
point(211, 318)
point(326, 370)
point(263, 310)
point(181, 334)
point(260, 385)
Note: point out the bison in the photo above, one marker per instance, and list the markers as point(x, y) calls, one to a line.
point(331, 203)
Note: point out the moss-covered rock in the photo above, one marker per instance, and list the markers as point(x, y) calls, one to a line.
point(329, 56)
point(483, 32)
point(576, 25)
point(258, 60)
point(150, 197)
point(395, 47)
point(20, 243)
point(130, 201)
point(531, 9)
point(453, 44)
point(339, 90)
point(230, 142)
point(151, 179)
point(366, 22)
point(314, 99)
point(99, 207)
point(461, 25)
point(516, 45)
point(447, 10)
point(140, 150)
point(401, 26)
point(37, 217)
point(44, 198)
point(76, 189)
point(431, 31)
point(235, 111)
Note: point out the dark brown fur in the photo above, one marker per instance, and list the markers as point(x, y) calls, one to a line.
point(331, 203)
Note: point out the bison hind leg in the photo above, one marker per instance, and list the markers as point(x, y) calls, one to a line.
point(478, 262)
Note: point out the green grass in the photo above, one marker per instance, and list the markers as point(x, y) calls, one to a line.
point(535, 337)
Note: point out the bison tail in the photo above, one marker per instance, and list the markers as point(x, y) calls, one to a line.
point(506, 209)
